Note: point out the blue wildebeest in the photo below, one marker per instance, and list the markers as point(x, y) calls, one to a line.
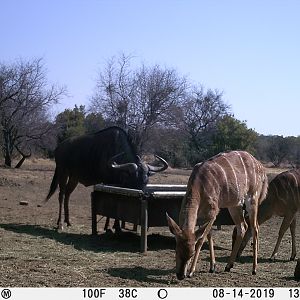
point(106, 156)
point(228, 180)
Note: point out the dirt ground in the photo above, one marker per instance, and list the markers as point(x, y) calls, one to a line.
point(34, 254)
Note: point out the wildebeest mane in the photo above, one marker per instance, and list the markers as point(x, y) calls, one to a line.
point(129, 147)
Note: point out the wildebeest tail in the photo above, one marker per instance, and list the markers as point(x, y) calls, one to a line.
point(53, 185)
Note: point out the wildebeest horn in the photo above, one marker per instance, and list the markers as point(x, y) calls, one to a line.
point(131, 167)
point(159, 169)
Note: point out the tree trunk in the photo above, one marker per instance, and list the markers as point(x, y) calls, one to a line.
point(7, 147)
point(20, 163)
point(7, 159)
point(24, 156)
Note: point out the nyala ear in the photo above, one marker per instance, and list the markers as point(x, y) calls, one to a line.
point(198, 234)
point(174, 228)
point(203, 230)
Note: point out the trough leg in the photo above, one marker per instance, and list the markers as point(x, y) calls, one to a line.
point(144, 225)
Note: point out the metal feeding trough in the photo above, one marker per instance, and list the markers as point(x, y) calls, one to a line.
point(145, 208)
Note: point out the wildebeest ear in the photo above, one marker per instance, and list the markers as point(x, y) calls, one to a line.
point(174, 228)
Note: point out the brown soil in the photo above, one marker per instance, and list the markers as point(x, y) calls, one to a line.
point(34, 254)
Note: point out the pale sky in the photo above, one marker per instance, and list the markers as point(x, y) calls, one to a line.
point(247, 49)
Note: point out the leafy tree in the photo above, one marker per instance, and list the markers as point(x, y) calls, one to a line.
point(70, 122)
point(94, 122)
point(232, 134)
point(74, 122)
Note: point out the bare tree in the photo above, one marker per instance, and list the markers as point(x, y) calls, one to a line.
point(277, 150)
point(25, 99)
point(138, 99)
point(201, 111)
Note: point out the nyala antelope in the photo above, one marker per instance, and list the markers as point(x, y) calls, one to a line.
point(283, 199)
point(228, 180)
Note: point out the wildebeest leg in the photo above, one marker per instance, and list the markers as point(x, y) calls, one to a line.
point(72, 183)
point(60, 200)
point(123, 224)
point(117, 226)
point(107, 228)
point(62, 182)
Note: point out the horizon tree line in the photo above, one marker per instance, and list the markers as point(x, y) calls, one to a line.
point(162, 112)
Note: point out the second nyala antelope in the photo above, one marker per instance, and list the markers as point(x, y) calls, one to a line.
point(228, 180)
point(283, 200)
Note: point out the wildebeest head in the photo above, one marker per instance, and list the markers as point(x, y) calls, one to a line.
point(136, 174)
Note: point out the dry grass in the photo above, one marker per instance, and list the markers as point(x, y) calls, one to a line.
point(33, 253)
